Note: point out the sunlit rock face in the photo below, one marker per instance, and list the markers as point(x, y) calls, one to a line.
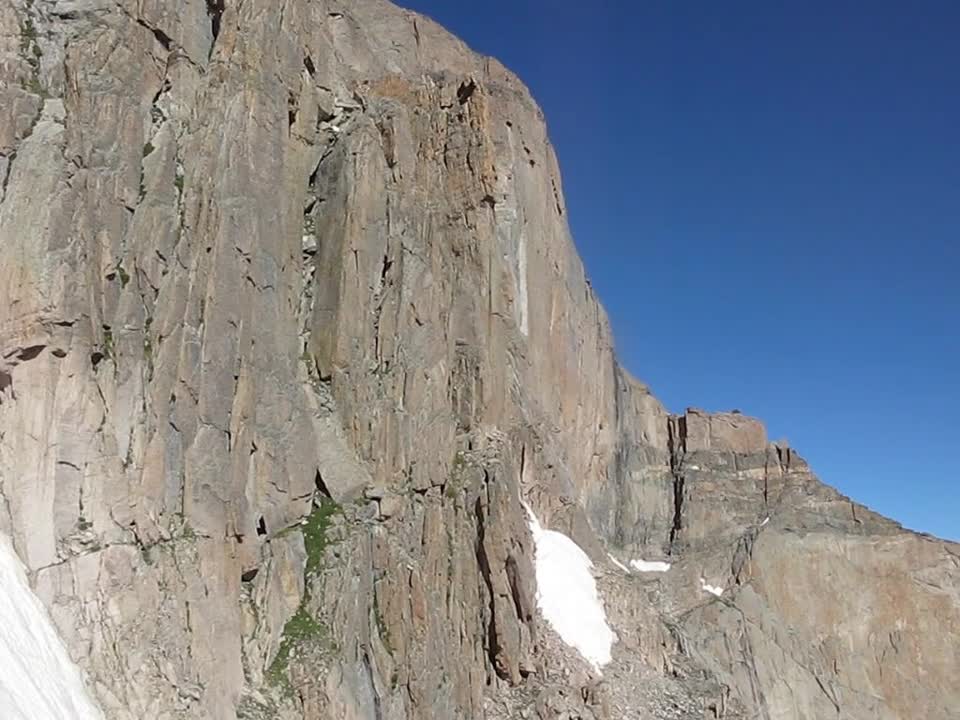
point(291, 325)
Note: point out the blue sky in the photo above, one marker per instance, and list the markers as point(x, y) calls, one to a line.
point(767, 199)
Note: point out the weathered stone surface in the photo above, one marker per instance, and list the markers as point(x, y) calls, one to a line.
point(818, 592)
point(262, 257)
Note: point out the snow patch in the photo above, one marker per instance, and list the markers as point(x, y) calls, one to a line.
point(522, 282)
point(647, 566)
point(712, 589)
point(38, 681)
point(618, 563)
point(567, 594)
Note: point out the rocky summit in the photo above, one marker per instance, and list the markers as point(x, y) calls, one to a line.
point(308, 410)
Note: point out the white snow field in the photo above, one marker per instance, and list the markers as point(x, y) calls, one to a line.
point(649, 565)
point(38, 681)
point(712, 589)
point(618, 564)
point(567, 594)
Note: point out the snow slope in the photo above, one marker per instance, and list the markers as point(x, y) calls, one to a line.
point(712, 589)
point(618, 564)
point(649, 565)
point(38, 681)
point(567, 594)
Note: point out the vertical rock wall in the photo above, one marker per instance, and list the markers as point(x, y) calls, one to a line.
point(290, 318)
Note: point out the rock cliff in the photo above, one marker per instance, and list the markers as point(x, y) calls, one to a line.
point(290, 324)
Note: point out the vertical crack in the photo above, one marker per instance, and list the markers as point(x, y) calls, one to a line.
point(368, 667)
point(483, 560)
point(215, 13)
point(766, 482)
point(676, 443)
point(6, 169)
point(523, 461)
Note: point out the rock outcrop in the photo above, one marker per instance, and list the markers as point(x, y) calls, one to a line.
point(291, 320)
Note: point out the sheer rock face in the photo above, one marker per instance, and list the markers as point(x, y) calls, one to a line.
point(827, 608)
point(258, 253)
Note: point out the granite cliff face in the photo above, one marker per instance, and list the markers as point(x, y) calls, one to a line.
point(291, 321)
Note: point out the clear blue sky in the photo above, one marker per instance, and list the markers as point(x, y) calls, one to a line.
point(767, 199)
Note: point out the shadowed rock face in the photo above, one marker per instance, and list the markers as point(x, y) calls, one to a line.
point(290, 319)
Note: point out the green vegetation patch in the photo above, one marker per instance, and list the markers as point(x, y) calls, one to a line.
point(108, 350)
point(301, 628)
point(315, 534)
point(31, 52)
point(456, 480)
point(381, 625)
